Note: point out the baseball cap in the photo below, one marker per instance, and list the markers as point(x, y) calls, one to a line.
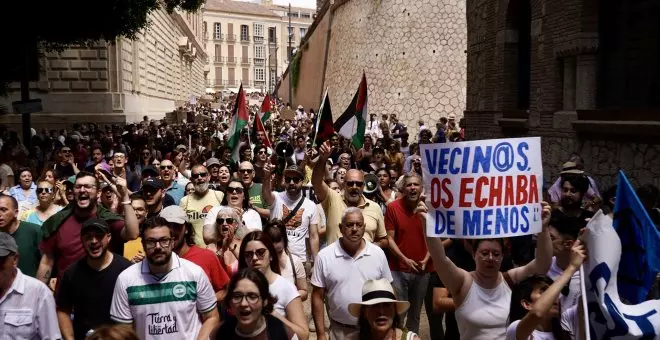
point(181, 146)
point(212, 161)
point(153, 183)
point(174, 214)
point(294, 169)
point(149, 169)
point(97, 223)
point(7, 244)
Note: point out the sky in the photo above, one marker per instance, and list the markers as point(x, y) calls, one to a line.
point(298, 3)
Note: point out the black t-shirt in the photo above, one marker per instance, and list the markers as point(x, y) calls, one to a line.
point(63, 171)
point(89, 293)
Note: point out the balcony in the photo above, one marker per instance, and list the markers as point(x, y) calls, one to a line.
point(231, 60)
point(259, 61)
point(218, 59)
point(218, 37)
point(232, 82)
point(258, 39)
point(231, 37)
point(215, 82)
point(245, 39)
point(246, 61)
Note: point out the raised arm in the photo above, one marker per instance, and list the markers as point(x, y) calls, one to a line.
point(543, 259)
point(318, 174)
point(267, 185)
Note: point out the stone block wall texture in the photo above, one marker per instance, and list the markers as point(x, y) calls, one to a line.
point(413, 54)
point(120, 82)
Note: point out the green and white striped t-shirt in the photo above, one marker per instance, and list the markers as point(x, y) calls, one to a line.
point(165, 307)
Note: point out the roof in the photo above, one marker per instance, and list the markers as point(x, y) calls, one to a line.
point(239, 7)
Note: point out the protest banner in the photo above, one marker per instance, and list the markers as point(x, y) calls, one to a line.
point(483, 189)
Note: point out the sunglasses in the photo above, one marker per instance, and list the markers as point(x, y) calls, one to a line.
point(245, 171)
point(233, 190)
point(263, 152)
point(66, 150)
point(167, 167)
point(249, 255)
point(46, 190)
point(196, 176)
point(354, 184)
point(221, 221)
point(295, 180)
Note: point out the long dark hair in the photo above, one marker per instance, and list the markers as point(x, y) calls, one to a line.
point(365, 328)
point(523, 292)
point(260, 280)
point(246, 195)
point(277, 232)
point(267, 241)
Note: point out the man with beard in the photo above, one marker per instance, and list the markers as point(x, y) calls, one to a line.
point(408, 264)
point(97, 158)
point(334, 278)
point(87, 285)
point(172, 187)
point(185, 247)
point(294, 210)
point(200, 202)
point(154, 196)
point(246, 172)
point(61, 245)
point(186, 307)
point(27, 235)
point(574, 187)
point(150, 172)
point(334, 204)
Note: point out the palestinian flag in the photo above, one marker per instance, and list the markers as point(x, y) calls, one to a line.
point(265, 111)
point(323, 126)
point(239, 121)
point(259, 125)
point(353, 122)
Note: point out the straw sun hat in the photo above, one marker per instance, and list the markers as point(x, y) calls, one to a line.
point(375, 292)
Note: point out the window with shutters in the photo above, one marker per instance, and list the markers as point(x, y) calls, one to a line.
point(217, 31)
point(245, 33)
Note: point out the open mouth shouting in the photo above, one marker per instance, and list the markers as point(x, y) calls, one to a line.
point(83, 200)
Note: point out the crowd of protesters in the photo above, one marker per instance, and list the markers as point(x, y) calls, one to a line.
point(153, 231)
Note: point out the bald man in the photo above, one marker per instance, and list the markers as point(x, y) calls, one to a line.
point(334, 204)
point(246, 174)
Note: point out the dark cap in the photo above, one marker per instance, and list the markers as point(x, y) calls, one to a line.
point(294, 169)
point(7, 244)
point(156, 183)
point(378, 148)
point(212, 161)
point(96, 223)
point(149, 169)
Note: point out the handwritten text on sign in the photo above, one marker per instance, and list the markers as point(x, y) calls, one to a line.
point(483, 189)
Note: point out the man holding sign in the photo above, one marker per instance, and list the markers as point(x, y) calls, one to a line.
point(484, 190)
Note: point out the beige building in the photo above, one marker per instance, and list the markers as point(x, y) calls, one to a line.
point(124, 81)
point(247, 42)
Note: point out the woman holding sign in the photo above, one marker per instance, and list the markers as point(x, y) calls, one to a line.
point(483, 297)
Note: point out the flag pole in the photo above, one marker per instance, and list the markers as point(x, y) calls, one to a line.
point(318, 117)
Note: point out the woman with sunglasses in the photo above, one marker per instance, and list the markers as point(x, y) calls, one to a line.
point(236, 198)
point(251, 304)
point(223, 237)
point(258, 252)
point(145, 158)
point(45, 208)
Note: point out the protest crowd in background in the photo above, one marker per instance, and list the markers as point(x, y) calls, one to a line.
point(264, 221)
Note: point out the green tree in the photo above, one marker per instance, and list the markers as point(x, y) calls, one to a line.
point(32, 27)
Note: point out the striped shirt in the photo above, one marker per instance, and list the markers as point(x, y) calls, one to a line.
point(165, 307)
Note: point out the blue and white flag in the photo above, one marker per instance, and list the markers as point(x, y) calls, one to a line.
point(607, 316)
point(639, 242)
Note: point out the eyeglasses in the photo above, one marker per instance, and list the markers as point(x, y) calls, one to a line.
point(46, 190)
point(245, 171)
point(201, 174)
point(221, 221)
point(295, 180)
point(167, 167)
point(237, 190)
point(263, 152)
point(261, 252)
point(86, 186)
point(163, 242)
point(237, 298)
point(145, 154)
point(354, 183)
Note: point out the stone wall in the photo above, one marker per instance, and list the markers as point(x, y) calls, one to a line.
point(413, 54)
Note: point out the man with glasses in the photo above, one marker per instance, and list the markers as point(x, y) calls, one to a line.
point(27, 306)
point(119, 169)
point(246, 173)
point(61, 245)
point(27, 235)
point(297, 212)
point(164, 296)
point(201, 201)
point(87, 285)
point(334, 204)
point(184, 246)
point(172, 186)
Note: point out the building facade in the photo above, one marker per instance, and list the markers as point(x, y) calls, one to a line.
point(122, 81)
point(583, 75)
point(248, 42)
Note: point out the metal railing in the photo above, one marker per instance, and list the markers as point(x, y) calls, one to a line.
point(231, 37)
point(259, 61)
point(219, 37)
point(245, 38)
point(246, 61)
point(231, 60)
point(218, 59)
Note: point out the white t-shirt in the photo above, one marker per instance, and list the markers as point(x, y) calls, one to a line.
point(297, 228)
point(536, 334)
point(284, 292)
point(570, 321)
point(570, 300)
point(251, 218)
point(288, 273)
point(165, 307)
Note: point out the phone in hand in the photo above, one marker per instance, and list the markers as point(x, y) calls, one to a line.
point(107, 174)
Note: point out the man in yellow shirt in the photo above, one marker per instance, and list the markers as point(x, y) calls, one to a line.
point(200, 202)
point(133, 250)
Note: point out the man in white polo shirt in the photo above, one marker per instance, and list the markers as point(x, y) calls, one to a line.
point(340, 269)
point(164, 296)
